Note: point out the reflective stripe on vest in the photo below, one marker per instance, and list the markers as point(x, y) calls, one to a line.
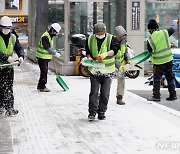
point(109, 61)
point(160, 44)
point(120, 55)
point(10, 48)
point(41, 52)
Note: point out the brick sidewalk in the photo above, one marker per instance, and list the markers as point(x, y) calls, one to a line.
point(56, 122)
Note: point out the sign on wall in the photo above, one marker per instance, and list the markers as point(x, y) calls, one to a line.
point(135, 15)
point(15, 18)
point(13, 4)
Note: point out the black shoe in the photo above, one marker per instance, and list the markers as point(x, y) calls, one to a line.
point(101, 116)
point(44, 89)
point(155, 99)
point(171, 98)
point(91, 116)
point(11, 112)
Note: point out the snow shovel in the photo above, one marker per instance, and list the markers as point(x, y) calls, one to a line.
point(95, 63)
point(10, 64)
point(95, 66)
point(59, 80)
point(141, 57)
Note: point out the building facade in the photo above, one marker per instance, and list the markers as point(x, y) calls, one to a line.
point(79, 16)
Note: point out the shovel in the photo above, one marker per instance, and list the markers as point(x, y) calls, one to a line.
point(141, 57)
point(10, 64)
point(59, 80)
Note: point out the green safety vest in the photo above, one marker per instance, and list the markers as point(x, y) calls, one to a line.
point(10, 48)
point(41, 52)
point(160, 44)
point(109, 61)
point(120, 55)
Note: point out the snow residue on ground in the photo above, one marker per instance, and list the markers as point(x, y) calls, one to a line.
point(56, 122)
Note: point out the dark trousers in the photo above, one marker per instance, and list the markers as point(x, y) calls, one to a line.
point(98, 101)
point(6, 87)
point(158, 71)
point(43, 65)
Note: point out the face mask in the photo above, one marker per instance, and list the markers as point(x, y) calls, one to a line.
point(5, 31)
point(100, 36)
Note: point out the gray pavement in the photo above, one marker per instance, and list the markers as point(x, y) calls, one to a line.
point(56, 122)
point(164, 94)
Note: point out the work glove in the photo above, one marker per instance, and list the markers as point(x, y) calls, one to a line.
point(85, 58)
point(59, 51)
point(127, 62)
point(175, 21)
point(57, 55)
point(90, 59)
point(10, 59)
point(21, 60)
point(121, 68)
point(102, 56)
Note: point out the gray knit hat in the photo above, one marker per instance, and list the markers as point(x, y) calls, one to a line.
point(100, 27)
point(119, 31)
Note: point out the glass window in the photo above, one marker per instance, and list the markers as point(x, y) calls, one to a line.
point(56, 15)
point(83, 16)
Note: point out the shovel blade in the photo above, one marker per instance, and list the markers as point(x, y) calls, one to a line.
point(141, 57)
point(61, 82)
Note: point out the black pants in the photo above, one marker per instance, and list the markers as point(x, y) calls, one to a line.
point(98, 101)
point(6, 87)
point(158, 71)
point(43, 65)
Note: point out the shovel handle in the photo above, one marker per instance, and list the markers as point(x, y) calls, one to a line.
point(56, 71)
point(10, 64)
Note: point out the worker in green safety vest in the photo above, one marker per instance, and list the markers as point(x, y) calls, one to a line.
point(122, 58)
point(158, 44)
point(100, 47)
point(8, 44)
point(45, 53)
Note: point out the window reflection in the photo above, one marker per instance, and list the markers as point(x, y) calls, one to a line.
point(83, 16)
point(164, 13)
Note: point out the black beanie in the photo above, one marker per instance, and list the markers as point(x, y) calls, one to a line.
point(152, 24)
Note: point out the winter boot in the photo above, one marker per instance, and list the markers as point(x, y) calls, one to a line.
point(119, 100)
point(171, 98)
point(44, 90)
point(155, 99)
point(11, 112)
point(101, 116)
point(91, 116)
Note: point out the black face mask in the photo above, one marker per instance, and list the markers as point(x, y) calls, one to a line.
point(53, 32)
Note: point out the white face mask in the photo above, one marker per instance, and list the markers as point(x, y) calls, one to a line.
point(5, 31)
point(100, 36)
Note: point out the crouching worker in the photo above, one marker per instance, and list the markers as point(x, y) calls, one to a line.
point(8, 44)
